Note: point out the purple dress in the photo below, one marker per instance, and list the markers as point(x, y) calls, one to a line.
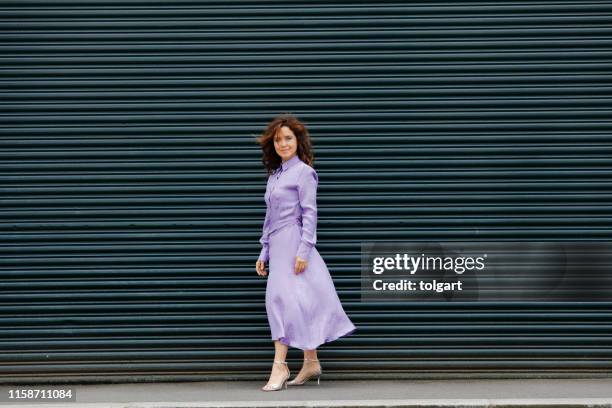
point(304, 310)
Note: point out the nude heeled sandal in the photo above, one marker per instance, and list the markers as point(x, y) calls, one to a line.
point(276, 387)
point(311, 375)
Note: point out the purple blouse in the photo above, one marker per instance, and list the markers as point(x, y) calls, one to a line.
point(291, 198)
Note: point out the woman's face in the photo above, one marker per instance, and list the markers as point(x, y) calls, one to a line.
point(285, 143)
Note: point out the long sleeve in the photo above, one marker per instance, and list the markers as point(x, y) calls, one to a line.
point(307, 191)
point(264, 255)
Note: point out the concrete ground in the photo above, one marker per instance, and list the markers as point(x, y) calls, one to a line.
point(382, 393)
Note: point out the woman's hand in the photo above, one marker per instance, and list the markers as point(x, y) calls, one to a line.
point(260, 267)
point(300, 265)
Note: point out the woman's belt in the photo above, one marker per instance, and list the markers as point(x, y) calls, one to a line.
point(296, 221)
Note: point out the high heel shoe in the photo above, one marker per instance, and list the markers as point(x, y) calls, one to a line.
point(276, 387)
point(310, 375)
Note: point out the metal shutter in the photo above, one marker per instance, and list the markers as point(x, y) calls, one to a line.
point(132, 189)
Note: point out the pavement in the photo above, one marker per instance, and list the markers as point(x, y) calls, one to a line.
point(504, 393)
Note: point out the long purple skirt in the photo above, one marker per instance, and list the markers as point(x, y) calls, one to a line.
point(304, 310)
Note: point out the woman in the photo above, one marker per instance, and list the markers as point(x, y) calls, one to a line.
point(302, 305)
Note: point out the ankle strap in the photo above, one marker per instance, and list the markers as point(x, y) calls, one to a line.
point(310, 359)
point(280, 362)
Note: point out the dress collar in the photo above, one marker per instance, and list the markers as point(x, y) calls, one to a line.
point(291, 162)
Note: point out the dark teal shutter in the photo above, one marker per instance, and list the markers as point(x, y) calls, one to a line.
point(132, 189)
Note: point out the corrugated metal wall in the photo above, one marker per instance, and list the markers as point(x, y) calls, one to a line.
point(132, 190)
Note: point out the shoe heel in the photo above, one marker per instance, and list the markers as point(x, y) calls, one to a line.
point(319, 380)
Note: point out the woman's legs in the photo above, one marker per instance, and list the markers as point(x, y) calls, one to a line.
point(279, 371)
point(310, 354)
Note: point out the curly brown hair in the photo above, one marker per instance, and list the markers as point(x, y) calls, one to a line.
point(270, 159)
